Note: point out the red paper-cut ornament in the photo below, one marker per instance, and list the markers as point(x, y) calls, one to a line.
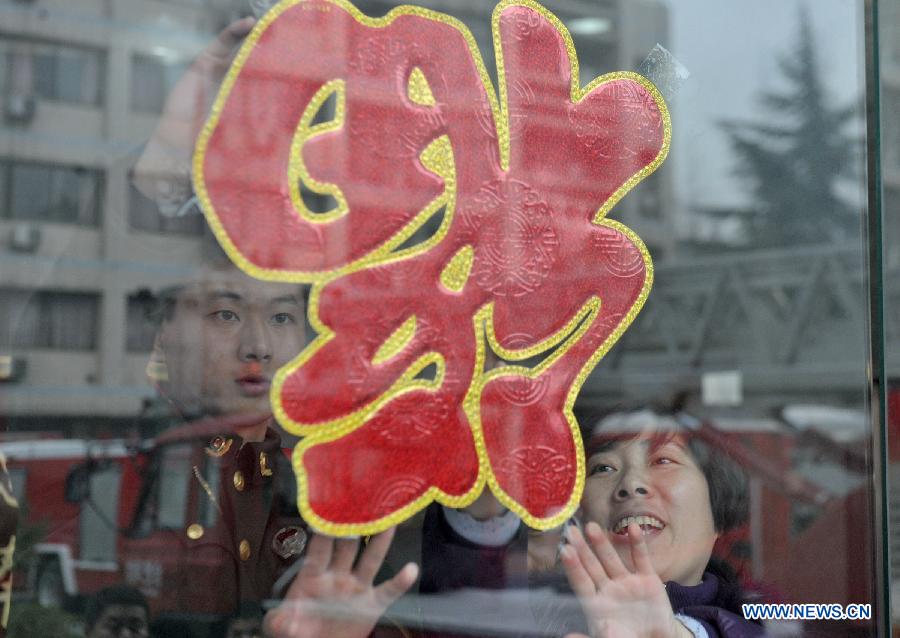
point(395, 398)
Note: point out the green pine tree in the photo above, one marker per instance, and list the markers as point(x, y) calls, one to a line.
point(794, 157)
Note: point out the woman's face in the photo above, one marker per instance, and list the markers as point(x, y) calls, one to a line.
point(655, 480)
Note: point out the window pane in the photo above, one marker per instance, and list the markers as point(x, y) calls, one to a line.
point(144, 214)
point(19, 72)
point(31, 192)
point(140, 330)
point(64, 187)
point(68, 74)
point(70, 320)
point(74, 196)
point(4, 190)
point(45, 75)
point(18, 319)
point(151, 80)
point(41, 319)
point(98, 520)
point(752, 344)
point(78, 76)
point(55, 194)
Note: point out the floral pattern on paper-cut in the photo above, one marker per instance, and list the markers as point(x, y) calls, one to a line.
point(397, 398)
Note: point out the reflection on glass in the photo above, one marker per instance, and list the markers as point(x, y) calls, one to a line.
point(54, 193)
point(753, 339)
point(152, 78)
point(68, 74)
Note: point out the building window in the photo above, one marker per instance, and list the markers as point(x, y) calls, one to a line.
point(50, 193)
point(47, 319)
point(4, 188)
point(173, 492)
point(649, 197)
point(140, 330)
point(144, 214)
point(56, 72)
point(152, 78)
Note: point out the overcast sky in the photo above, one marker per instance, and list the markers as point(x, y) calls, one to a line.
point(730, 47)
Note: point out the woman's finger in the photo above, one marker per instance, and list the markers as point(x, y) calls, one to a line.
point(587, 557)
point(373, 556)
point(640, 554)
point(606, 553)
point(344, 555)
point(580, 581)
point(318, 557)
point(389, 591)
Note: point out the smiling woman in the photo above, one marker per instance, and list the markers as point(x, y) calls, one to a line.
point(656, 500)
point(671, 485)
point(653, 482)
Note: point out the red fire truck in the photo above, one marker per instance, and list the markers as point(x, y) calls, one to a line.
point(109, 513)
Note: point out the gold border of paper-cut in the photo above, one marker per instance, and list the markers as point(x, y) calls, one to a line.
point(577, 326)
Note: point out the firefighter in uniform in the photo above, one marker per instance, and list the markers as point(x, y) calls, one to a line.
point(221, 338)
point(259, 527)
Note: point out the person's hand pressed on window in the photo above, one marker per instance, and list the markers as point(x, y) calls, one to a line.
point(333, 598)
point(165, 160)
point(618, 602)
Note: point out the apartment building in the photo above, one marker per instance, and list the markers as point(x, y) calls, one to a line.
point(82, 86)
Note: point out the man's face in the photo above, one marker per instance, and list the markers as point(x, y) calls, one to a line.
point(223, 340)
point(121, 621)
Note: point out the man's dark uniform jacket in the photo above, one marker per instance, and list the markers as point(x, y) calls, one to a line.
point(257, 532)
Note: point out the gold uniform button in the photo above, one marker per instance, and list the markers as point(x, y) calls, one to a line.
point(239, 481)
point(264, 465)
point(244, 549)
point(195, 531)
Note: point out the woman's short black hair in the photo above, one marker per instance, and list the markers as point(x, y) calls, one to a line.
point(726, 480)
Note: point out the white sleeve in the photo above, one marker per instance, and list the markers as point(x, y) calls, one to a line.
point(493, 532)
point(692, 625)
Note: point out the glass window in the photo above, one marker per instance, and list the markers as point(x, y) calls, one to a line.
point(751, 354)
point(52, 193)
point(68, 74)
point(45, 319)
point(152, 77)
point(4, 184)
point(145, 214)
point(174, 474)
point(99, 516)
point(140, 329)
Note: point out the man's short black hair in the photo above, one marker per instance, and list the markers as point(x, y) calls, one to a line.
point(115, 595)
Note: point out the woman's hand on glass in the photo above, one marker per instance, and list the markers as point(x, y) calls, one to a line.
point(618, 602)
point(333, 598)
point(167, 154)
